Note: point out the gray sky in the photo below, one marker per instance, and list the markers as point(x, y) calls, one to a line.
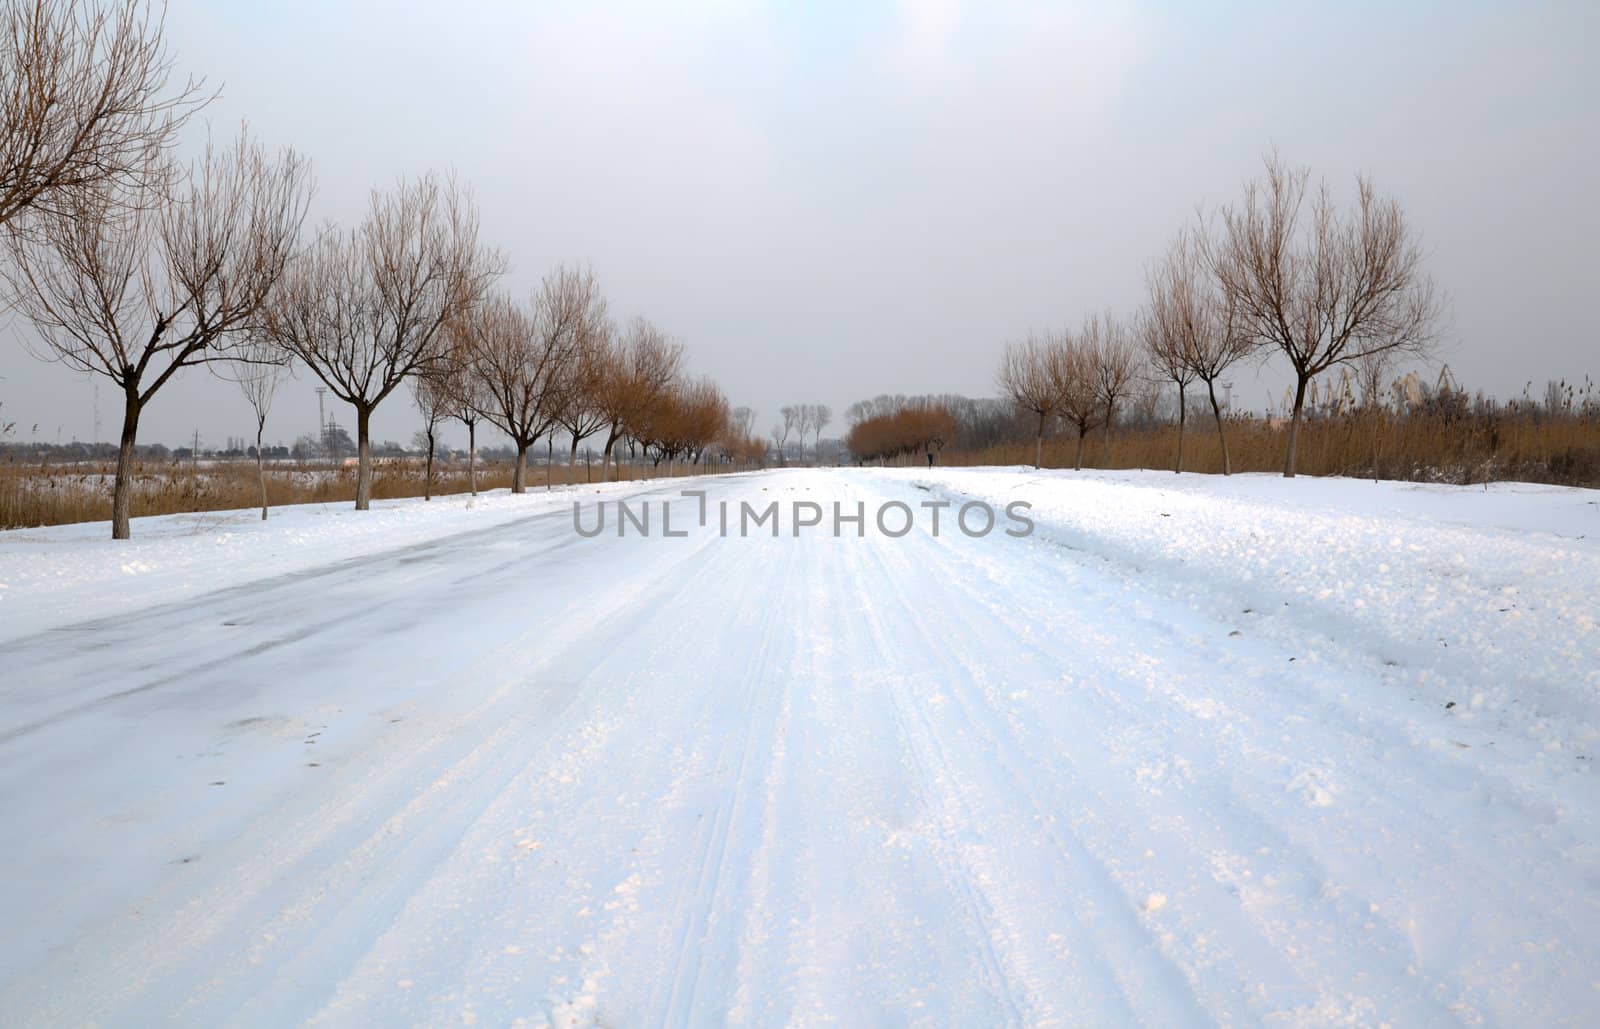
point(830, 201)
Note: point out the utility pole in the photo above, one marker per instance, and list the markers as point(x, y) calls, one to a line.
point(322, 419)
point(194, 455)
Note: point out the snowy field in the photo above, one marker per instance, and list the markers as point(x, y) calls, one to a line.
point(1195, 750)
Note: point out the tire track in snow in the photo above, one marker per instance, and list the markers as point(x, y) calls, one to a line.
point(1325, 918)
point(933, 776)
point(592, 644)
point(760, 696)
point(1260, 826)
point(1249, 741)
point(461, 874)
point(1305, 625)
point(1112, 944)
point(314, 850)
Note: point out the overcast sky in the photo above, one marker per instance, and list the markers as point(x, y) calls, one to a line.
point(830, 201)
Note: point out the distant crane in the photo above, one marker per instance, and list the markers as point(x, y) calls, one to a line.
point(1447, 382)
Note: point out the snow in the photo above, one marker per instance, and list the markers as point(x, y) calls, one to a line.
point(67, 572)
point(1197, 749)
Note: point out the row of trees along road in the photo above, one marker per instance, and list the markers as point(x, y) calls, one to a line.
point(800, 420)
point(134, 265)
point(1286, 271)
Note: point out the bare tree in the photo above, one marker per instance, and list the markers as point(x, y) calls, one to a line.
point(1371, 371)
point(431, 389)
point(525, 359)
point(259, 374)
point(1322, 286)
point(569, 313)
point(364, 309)
point(1026, 381)
point(791, 417)
point(1115, 364)
point(1072, 376)
point(740, 442)
point(821, 415)
point(583, 411)
point(805, 415)
point(649, 362)
point(702, 418)
point(87, 108)
point(890, 428)
point(1160, 334)
point(137, 292)
point(659, 427)
point(1199, 324)
point(691, 417)
point(465, 393)
point(514, 374)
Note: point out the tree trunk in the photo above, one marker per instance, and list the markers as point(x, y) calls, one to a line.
point(472, 457)
point(605, 458)
point(122, 491)
point(1077, 462)
point(363, 459)
point(1038, 445)
point(1294, 425)
point(1110, 413)
point(261, 466)
point(1222, 435)
point(1183, 415)
point(1377, 438)
point(427, 476)
point(549, 460)
point(521, 468)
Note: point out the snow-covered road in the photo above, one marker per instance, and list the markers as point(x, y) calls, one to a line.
point(1192, 752)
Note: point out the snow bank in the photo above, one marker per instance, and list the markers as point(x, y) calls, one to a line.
point(50, 576)
point(1485, 599)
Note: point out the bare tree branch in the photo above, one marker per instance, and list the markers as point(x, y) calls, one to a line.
point(1322, 286)
point(87, 107)
point(138, 292)
point(364, 309)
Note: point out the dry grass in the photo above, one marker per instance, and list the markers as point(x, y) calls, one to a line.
point(35, 495)
point(1524, 447)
